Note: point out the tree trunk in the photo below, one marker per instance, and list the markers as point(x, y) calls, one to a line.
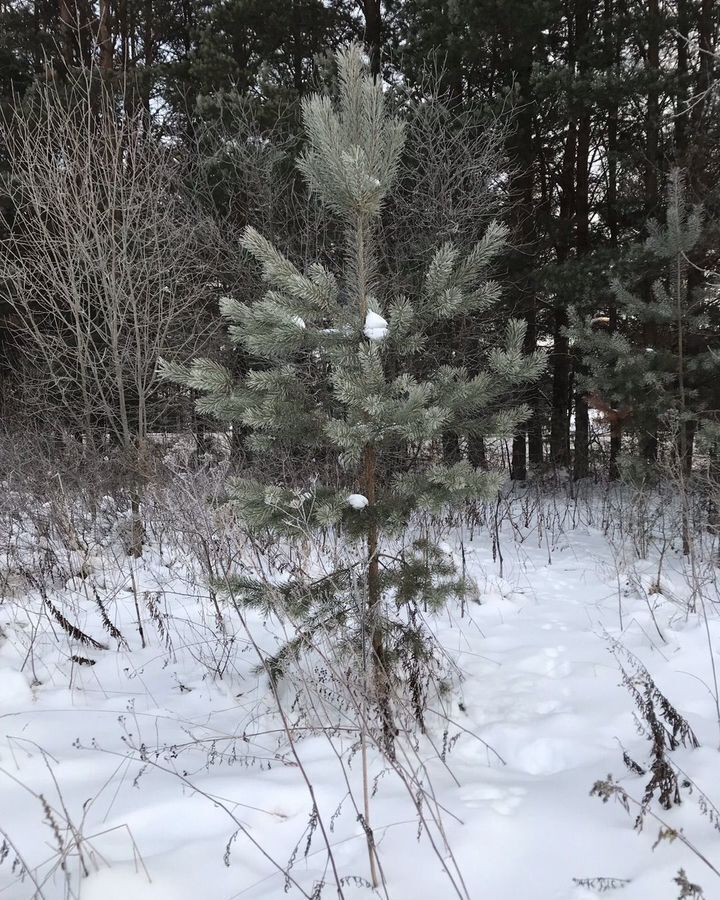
point(105, 42)
point(560, 359)
point(122, 28)
point(581, 468)
point(707, 62)
point(615, 450)
point(476, 453)
point(582, 225)
point(373, 34)
point(380, 669)
point(560, 419)
point(686, 444)
point(612, 58)
point(381, 681)
point(652, 140)
point(524, 237)
point(536, 452)
point(149, 52)
point(67, 34)
point(649, 436)
point(682, 112)
point(297, 56)
point(451, 448)
point(518, 463)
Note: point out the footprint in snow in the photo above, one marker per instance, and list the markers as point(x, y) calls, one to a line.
point(502, 800)
point(547, 663)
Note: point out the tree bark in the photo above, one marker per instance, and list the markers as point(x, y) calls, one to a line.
point(451, 448)
point(560, 359)
point(652, 139)
point(372, 10)
point(560, 418)
point(149, 53)
point(524, 236)
point(612, 58)
point(649, 435)
point(123, 32)
point(518, 460)
point(381, 681)
point(582, 224)
point(682, 112)
point(67, 34)
point(476, 453)
point(105, 42)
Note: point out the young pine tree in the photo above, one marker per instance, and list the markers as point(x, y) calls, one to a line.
point(339, 371)
point(659, 368)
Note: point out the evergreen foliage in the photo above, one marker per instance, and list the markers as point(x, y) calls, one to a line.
point(594, 104)
point(326, 378)
point(661, 363)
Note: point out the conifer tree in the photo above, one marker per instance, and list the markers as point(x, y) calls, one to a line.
point(660, 364)
point(339, 371)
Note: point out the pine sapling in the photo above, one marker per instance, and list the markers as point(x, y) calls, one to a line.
point(339, 371)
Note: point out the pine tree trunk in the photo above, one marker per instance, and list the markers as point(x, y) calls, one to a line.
point(581, 467)
point(451, 448)
point(296, 44)
point(652, 138)
point(560, 359)
point(649, 442)
point(612, 57)
point(615, 449)
point(528, 444)
point(522, 156)
point(518, 463)
point(581, 463)
point(535, 425)
point(373, 34)
point(682, 82)
point(686, 446)
point(476, 453)
point(147, 76)
point(123, 28)
point(536, 450)
point(105, 40)
point(381, 681)
point(559, 422)
point(649, 434)
point(67, 34)
point(706, 65)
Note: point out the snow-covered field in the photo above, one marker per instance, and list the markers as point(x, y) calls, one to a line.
point(165, 772)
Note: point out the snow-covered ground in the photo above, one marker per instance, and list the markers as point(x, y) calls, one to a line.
point(160, 779)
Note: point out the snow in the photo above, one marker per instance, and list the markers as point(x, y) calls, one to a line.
point(299, 321)
point(164, 767)
point(14, 688)
point(357, 501)
point(122, 882)
point(376, 328)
